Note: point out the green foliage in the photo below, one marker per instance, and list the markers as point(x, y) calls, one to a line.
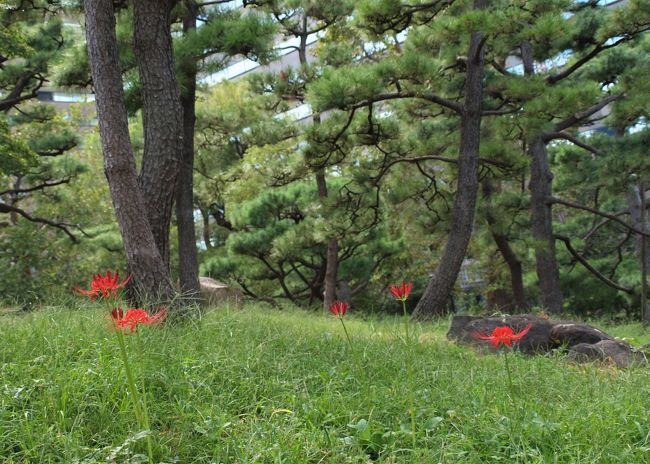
point(279, 235)
point(229, 33)
point(390, 167)
point(17, 156)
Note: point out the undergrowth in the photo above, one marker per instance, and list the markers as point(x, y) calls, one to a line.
point(265, 386)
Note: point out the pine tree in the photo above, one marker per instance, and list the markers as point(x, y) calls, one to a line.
point(32, 135)
point(143, 256)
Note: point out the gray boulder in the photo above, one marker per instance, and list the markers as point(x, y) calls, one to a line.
point(619, 353)
point(572, 333)
point(464, 329)
point(584, 342)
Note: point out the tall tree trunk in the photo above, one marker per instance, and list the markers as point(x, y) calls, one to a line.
point(637, 205)
point(540, 185)
point(332, 254)
point(645, 317)
point(508, 254)
point(145, 263)
point(188, 261)
point(541, 218)
point(162, 115)
point(441, 285)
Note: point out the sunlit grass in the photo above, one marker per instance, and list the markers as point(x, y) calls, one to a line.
point(266, 386)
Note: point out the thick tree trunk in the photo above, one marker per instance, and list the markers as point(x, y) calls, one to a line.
point(151, 276)
point(162, 115)
point(188, 261)
point(508, 254)
point(541, 218)
point(436, 295)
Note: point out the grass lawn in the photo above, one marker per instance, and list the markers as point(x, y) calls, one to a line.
point(268, 386)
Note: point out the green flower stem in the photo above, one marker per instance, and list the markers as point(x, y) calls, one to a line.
point(143, 420)
point(412, 406)
point(347, 335)
point(406, 318)
point(129, 376)
point(145, 409)
point(511, 387)
point(409, 374)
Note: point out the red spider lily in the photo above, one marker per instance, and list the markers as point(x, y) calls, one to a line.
point(339, 308)
point(134, 317)
point(402, 292)
point(503, 335)
point(103, 286)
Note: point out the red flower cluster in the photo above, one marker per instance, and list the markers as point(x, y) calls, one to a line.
point(103, 286)
point(134, 317)
point(402, 292)
point(339, 308)
point(503, 335)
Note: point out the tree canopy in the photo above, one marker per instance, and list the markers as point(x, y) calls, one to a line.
point(493, 152)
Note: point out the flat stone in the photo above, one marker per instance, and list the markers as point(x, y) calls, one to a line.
point(613, 351)
point(214, 293)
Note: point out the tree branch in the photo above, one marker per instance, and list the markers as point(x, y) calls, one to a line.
point(500, 69)
point(554, 78)
point(599, 213)
point(5, 208)
point(16, 96)
point(42, 186)
point(580, 116)
point(401, 95)
point(573, 139)
point(597, 226)
point(213, 2)
point(589, 267)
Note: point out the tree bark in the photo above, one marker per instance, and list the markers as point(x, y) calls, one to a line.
point(332, 255)
point(637, 205)
point(634, 205)
point(540, 185)
point(509, 256)
point(441, 285)
point(645, 317)
point(151, 276)
point(188, 261)
point(161, 115)
point(541, 218)
point(331, 273)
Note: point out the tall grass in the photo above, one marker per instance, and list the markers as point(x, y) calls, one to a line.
point(261, 386)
